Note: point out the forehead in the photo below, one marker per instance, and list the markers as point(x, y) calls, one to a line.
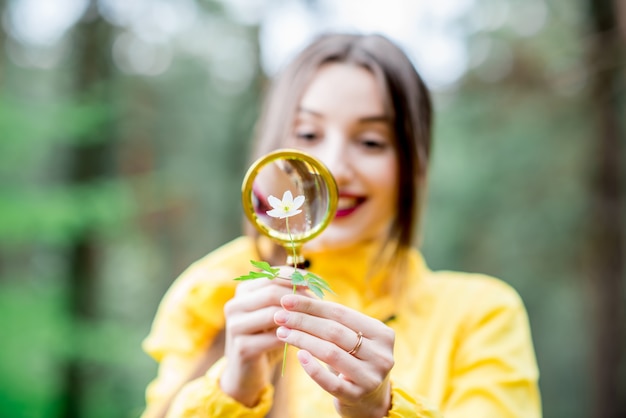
point(344, 90)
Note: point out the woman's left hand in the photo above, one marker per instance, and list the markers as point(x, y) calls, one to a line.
point(359, 365)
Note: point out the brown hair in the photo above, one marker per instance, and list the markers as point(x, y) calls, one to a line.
point(407, 101)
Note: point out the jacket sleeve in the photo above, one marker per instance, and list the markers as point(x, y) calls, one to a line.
point(203, 398)
point(404, 405)
point(188, 319)
point(493, 368)
point(494, 371)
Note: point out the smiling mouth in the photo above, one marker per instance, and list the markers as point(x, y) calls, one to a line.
point(347, 205)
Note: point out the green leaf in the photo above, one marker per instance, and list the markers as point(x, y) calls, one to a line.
point(268, 272)
point(298, 279)
point(260, 274)
point(251, 276)
point(310, 280)
point(315, 280)
point(265, 266)
point(256, 275)
point(315, 289)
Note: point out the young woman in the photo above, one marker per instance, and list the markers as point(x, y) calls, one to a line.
point(396, 339)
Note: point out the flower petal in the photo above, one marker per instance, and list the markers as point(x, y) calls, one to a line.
point(297, 202)
point(274, 202)
point(288, 198)
point(289, 213)
point(276, 213)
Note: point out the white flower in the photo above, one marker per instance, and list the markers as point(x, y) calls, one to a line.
point(286, 207)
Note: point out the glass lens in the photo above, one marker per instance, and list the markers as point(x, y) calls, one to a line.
point(278, 184)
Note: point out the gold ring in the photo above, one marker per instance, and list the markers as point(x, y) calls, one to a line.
point(359, 341)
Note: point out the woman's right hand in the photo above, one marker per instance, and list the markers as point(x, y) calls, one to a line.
point(252, 348)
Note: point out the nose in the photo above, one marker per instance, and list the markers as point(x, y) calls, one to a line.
point(336, 157)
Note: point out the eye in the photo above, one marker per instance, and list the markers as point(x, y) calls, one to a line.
point(374, 144)
point(306, 135)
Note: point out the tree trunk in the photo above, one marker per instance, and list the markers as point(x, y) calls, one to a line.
point(88, 163)
point(607, 224)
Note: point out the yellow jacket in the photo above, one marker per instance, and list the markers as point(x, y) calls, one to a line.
point(463, 345)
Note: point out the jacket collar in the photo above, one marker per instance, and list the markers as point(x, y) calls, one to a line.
point(363, 284)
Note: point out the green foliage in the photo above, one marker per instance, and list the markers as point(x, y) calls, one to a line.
point(310, 280)
point(41, 339)
point(35, 342)
point(266, 272)
point(56, 216)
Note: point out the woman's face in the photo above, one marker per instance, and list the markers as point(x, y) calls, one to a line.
point(341, 120)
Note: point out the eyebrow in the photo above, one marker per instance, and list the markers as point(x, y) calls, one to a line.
point(372, 118)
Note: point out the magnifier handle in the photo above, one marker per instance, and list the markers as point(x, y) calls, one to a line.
point(301, 262)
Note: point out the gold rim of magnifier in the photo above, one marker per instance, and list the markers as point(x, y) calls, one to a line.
point(289, 154)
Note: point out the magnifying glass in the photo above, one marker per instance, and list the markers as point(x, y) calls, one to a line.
point(297, 185)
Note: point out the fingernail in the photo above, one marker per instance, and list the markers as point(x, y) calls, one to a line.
point(288, 301)
point(304, 357)
point(283, 332)
point(281, 317)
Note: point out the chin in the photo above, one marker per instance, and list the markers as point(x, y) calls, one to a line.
point(334, 238)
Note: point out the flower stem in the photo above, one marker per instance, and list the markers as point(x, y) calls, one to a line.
point(295, 265)
point(293, 249)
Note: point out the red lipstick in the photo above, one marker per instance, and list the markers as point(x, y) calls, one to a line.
point(348, 204)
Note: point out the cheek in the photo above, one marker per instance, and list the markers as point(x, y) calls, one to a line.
point(385, 180)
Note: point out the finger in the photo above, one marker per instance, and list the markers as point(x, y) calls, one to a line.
point(253, 322)
point(250, 286)
point(326, 379)
point(325, 329)
point(257, 297)
point(247, 347)
point(326, 351)
point(332, 370)
point(356, 321)
point(253, 285)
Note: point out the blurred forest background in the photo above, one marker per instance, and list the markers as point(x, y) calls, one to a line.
point(123, 143)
